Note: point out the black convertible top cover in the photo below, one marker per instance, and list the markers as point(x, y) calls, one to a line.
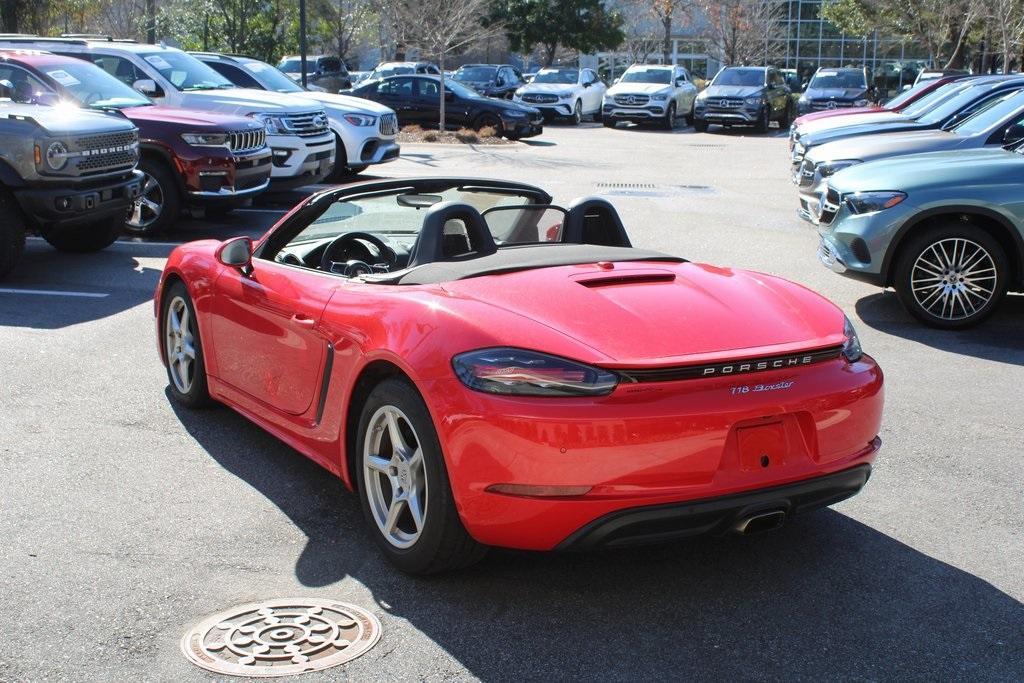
point(520, 257)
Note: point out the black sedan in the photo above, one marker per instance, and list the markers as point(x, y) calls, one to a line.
point(416, 100)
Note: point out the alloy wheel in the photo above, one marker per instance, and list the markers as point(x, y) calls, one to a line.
point(394, 475)
point(953, 278)
point(149, 206)
point(179, 344)
point(577, 113)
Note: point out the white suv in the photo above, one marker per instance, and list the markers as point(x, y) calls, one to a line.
point(365, 130)
point(298, 130)
point(564, 91)
point(648, 93)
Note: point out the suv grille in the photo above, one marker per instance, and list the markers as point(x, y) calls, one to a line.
point(106, 153)
point(632, 100)
point(247, 140)
point(539, 98)
point(806, 173)
point(828, 207)
point(388, 124)
point(724, 103)
point(306, 125)
point(820, 105)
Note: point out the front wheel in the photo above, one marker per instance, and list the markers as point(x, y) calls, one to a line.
point(488, 120)
point(669, 122)
point(159, 204)
point(85, 239)
point(577, 113)
point(952, 276)
point(764, 120)
point(608, 122)
point(183, 348)
point(12, 233)
point(403, 484)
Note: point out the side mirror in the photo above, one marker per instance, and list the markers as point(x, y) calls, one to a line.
point(588, 84)
point(236, 253)
point(1013, 134)
point(146, 86)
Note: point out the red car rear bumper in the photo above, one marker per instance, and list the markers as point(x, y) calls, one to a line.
point(637, 454)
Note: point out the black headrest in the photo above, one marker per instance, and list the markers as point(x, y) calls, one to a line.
point(593, 220)
point(429, 246)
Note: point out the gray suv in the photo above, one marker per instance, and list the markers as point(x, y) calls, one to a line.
point(67, 174)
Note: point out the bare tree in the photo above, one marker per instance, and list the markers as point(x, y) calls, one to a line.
point(1008, 18)
point(670, 13)
point(440, 27)
point(744, 31)
point(343, 21)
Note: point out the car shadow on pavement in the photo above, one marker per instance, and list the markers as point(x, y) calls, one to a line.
point(825, 597)
point(95, 286)
point(1000, 338)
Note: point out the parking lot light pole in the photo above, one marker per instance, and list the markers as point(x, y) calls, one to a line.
point(302, 39)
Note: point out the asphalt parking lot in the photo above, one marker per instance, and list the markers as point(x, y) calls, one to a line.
point(125, 520)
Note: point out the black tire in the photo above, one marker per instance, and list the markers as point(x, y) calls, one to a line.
point(340, 171)
point(160, 186)
point(609, 123)
point(763, 120)
point(597, 116)
point(700, 125)
point(669, 120)
point(689, 117)
point(577, 113)
point(489, 120)
point(197, 394)
point(12, 233)
point(443, 543)
point(921, 303)
point(85, 239)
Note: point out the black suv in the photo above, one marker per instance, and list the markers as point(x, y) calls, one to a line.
point(744, 96)
point(491, 80)
point(835, 89)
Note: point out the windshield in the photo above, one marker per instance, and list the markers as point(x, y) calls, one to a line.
point(827, 80)
point(459, 89)
point(933, 99)
point(953, 105)
point(401, 215)
point(385, 71)
point(294, 64)
point(660, 76)
point(270, 78)
point(185, 72)
point(476, 74)
point(897, 102)
point(745, 77)
point(91, 86)
point(561, 76)
point(991, 114)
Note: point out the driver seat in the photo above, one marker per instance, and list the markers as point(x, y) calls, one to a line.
point(435, 241)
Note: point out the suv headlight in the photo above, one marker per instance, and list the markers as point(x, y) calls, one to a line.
point(272, 123)
point(564, 94)
point(869, 202)
point(360, 119)
point(56, 156)
point(517, 372)
point(753, 101)
point(852, 350)
point(659, 96)
point(206, 139)
point(519, 92)
point(829, 168)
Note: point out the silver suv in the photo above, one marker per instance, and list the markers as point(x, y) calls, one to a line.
point(67, 174)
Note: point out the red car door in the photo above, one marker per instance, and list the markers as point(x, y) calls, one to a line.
point(265, 337)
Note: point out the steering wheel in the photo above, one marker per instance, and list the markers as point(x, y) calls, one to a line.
point(378, 249)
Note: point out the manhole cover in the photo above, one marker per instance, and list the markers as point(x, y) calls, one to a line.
point(281, 637)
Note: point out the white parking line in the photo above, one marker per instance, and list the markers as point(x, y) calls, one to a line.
point(53, 292)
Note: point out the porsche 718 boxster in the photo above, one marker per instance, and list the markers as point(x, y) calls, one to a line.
point(486, 368)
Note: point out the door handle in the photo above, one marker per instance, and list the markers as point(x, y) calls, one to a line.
point(303, 321)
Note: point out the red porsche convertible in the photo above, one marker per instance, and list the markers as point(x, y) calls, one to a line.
point(487, 368)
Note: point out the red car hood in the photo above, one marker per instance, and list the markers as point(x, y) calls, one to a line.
point(656, 314)
point(829, 113)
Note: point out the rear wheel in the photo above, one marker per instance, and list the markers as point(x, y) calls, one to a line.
point(403, 484)
point(12, 233)
point(952, 276)
point(85, 239)
point(159, 204)
point(183, 349)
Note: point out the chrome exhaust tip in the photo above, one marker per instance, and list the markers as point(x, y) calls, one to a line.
point(755, 524)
